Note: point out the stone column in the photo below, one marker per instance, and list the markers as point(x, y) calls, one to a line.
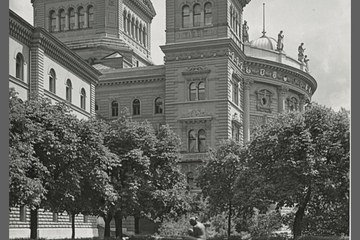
point(57, 22)
point(282, 90)
point(247, 87)
point(76, 20)
point(66, 21)
point(86, 18)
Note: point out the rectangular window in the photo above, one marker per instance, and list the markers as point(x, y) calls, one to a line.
point(22, 214)
point(55, 217)
point(235, 93)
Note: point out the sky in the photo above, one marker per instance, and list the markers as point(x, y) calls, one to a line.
point(322, 25)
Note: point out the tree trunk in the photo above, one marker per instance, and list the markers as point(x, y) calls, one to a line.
point(118, 224)
point(299, 215)
point(107, 220)
point(72, 225)
point(137, 225)
point(33, 223)
point(229, 220)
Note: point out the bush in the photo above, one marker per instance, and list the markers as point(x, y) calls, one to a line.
point(269, 238)
point(323, 238)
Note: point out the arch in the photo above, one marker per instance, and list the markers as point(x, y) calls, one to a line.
point(192, 141)
point(19, 68)
point(68, 90)
point(81, 17)
point(197, 15)
point(208, 13)
point(201, 91)
point(185, 16)
point(72, 19)
point(83, 98)
point(136, 107)
point(114, 108)
point(192, 91)
point(202, 140)
point(159, 105)
point(52, 21)
point(52, 81)
point(90, 16)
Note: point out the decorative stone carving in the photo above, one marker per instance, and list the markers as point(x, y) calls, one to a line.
point(264, 100)
point(248, 83)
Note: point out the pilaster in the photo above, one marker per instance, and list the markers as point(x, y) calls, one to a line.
point(282, 90)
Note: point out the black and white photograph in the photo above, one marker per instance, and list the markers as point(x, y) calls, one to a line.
point(179, 120)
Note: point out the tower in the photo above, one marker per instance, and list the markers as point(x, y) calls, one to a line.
point(112, 33)
point(204, 74)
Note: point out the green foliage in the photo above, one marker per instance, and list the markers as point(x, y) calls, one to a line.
point(265, 224)
point(178, 227)
point(301, 160)
point(323, 238)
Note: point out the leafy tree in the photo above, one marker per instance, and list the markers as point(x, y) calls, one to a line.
point(217, 178)
point(301, 160)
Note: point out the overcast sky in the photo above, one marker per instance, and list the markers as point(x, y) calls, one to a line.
point(322, 25)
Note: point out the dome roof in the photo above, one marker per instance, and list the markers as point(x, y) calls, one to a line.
point(264, 42)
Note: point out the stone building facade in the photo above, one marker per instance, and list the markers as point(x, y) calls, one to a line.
point(214, 83)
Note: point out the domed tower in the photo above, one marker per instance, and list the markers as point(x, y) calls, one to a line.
point(111, 33)
point(274, 82)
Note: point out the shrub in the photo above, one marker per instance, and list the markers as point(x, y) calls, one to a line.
point(323, 238)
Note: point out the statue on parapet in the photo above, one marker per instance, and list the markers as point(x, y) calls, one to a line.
point(280, 41)
point(306, 60)
point(301, 51)
point(245, 31)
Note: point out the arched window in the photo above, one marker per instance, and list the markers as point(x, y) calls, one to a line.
point(192, 141)
point(197, 15)
point(90, 19)
point(140, 33)
point(158, 105)
point(208, 14)
point(190, 179)
point(137, 30)
point(52, 17)
point(19, 66)
point(125, 20)
point(186, 16)
point(144, 37)
point(62, 20)
point(292, 104)
point(129, 24)
point(71, 19)
point(201, 91)
point(114, 108)
point(236, 23)
point(136, 107)
point(133, 27)
point(82, 99)
point(52, 79)
point(81, 17)
point(68, 90)
point(202, 141)
point(192, 92)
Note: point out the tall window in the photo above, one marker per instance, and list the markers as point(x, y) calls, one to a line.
point(62, 20)
point(71, 19)
point(144, 37)
point(90, 16)
point(235, 132)
point(81, 17)
point(68, 90)
point(82, 99)
point(19, 66)
point(186, 16)
point(129, 24)
point(115, 109)
point(136, 107)
point(201, 91)
point(235, 92)
point(192, 92)
point(197, 15)
point(52, 79)
point(52, 21)
point(192, 141)
point(137, 30)
point(158, 105)
point(125, 20)
point(140, 33)
point(208, 14)
point(201, 141)
point(292, 104)
point(132, 26)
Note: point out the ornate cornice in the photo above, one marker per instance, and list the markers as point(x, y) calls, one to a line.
point(146, 7)
point(113, 82)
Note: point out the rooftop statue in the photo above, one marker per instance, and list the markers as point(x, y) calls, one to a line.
point(280, 41)
point(245, 32)
point(301, 50)
point(306, 60)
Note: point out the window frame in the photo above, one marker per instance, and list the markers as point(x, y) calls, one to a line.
point(52, 21)
point(197, 21)
point(208, 14)
point(136, 109)
point(19, 66)
point(83, 99)
point(71, 13)
point(90, 16)
point(185, 15)
point(159, 108)
point(62, 20)
point(114, 109)
point(52, 81)
point(68, 90)
point(81, 17)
